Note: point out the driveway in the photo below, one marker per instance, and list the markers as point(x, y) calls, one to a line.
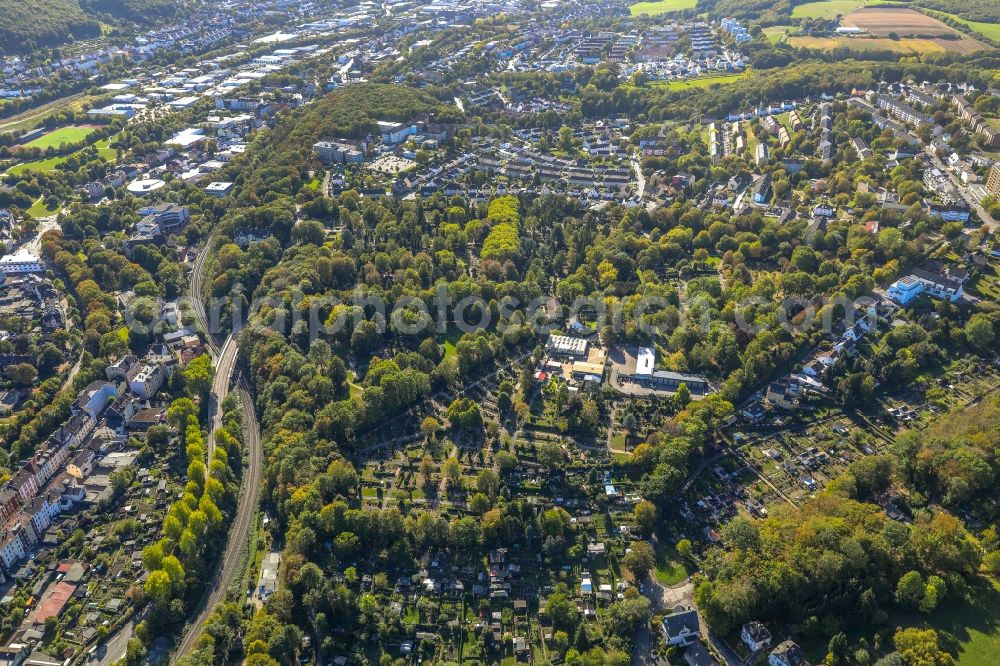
point(665, 599)
point(662, 599)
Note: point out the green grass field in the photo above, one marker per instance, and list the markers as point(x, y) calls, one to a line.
point(826, 9)
point(68, 135)
point(105, 150)
point(988, 30)
point(103, 147)
point(969, 629)
point(661, 7)
point(701, 82)
point(43, 166)
point(670, 570)
point(775, 33)
point(38, 209)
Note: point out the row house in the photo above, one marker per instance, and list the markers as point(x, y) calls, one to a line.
point(42, 510)
point(72, 433)
point(11, 549)
point(48, 460)
point(24, 484)
point(976, 122)
point(9, 503)
point(903, 111)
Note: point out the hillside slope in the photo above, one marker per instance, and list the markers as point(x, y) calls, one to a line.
point(24, 25)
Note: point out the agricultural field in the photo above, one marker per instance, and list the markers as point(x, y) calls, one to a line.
point(905, 45)
point(907, 23)
point(881, 21)
point(826, 9)
point(64, 135)
point(661, 7)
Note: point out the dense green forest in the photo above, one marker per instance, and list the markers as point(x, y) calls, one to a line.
point(23, 26)
point(987, 11)
point(26, 26)
point(134, 10)
point(353, 112)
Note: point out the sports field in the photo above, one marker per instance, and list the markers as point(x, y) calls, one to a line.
point(661, 6)
point(68, 135)
point(103, 147)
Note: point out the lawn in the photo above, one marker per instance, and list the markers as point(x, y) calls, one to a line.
point(700, 82)
point(826, 9)
point(661, 7)
point(775, 33)
point(988, 30)
point(670, 570)
point(38, 209)
point(43, 166)
point(986, 284)
point(68, 135)
point(969, 629)
point(450, 339)
point(105, 150)
point(103, 146)
point(618, 443)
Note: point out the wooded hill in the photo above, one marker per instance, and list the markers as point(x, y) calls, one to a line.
point(25, 26)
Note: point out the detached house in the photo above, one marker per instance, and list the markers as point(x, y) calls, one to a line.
point(787, 654)
point(149, 380)
point(681, 628)
point(755, 636)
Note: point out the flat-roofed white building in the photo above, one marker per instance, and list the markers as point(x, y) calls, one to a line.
point(218, 189)
point(22, 262)
point(563, 344)
point(645, 361)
